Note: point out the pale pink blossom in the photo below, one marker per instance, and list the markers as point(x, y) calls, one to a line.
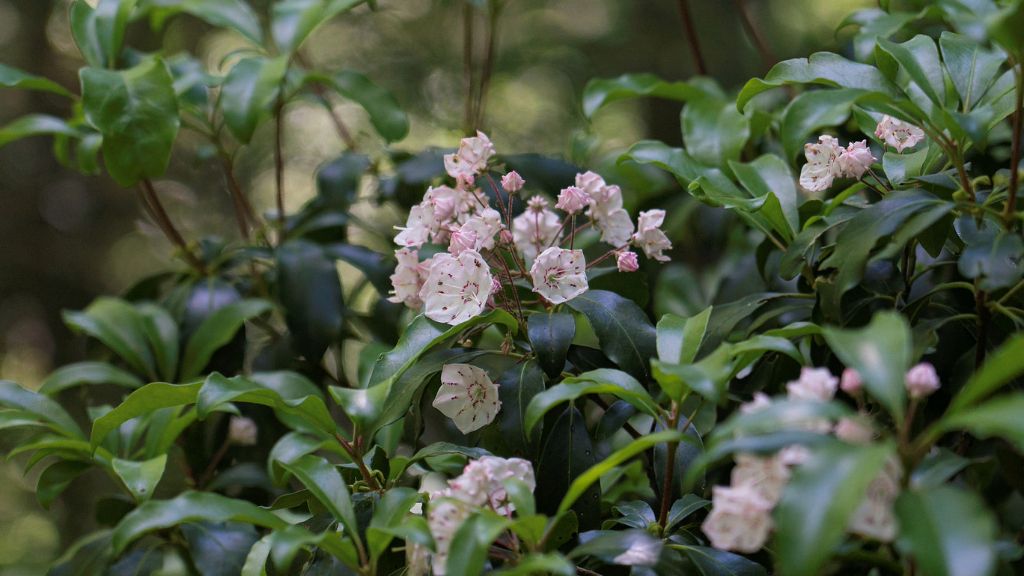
point(484, 225)
point(444, 517)
point(408, 278)
point(590, 182)
point(456, 287)
point(820, 170)
point(767, 475)
point(898, 134)
point(816, 384)
point(626, 261)
point(471, 158)
point(242, 431)
point(850, 382)
point(535, 229)
point(603, 201)
point(649, 236)
point(482, 482)
point(467, 396)
point(616, 227)
point(855, 159)
point(740, 519)
point(462, 239)
point(855, 430)
point(759, 402)
point(512, 182)
point(874, 517)
point(572, 200)
point(559, 275)
point(922, 380)
point(416, 231)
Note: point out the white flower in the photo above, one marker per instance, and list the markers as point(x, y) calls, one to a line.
point(759, 402)
point(590, 182)
point(559, 275)
point(616, 227)
point(740, 519)
point(456, 287)
point(572, 200)
point(850, 382)
point(512, 182)
point(462, 239)
point(467, 396)
point(814, 384)
point(874, 518)
point(242, 431)
point(855, 159)
point(471, 159)
point(626, 261)
point(922, 380)
point(535, 229)
point(482, 482)
point(444, 517)
point(819, 171)
point(898, 134)
point(649, 236)
point(603, 200)
point(484, 225)
point(408, 278)
point(766, 475)
point(416, 231)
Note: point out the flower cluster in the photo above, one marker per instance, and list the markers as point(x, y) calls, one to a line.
point(827, 160)
point(489, 248)
point(480, 486)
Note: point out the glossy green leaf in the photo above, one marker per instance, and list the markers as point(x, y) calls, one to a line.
point(919, 58)
point(532, 564)
point(385, 113)
point(1005, 25)
point(249, 92)
point(324, 481)
point(714, 562)
point(708, 377)
point(99, 32)
point(81, 373)
point(679, 339)
point(311, 294)
point(599, 92)
point(14, 78)
point(119, 326)
point(189, 507)
point(769, 177)
point(947, 531)
point(818, 502)
point(35, 125)
point(162, 333)
point(219, 549)
point(217, 330)
point(234, 14)
point(142, 477)
point(38, 407)
point(517, 387)
point(882, 353)
point(550, 336)
point(294, 20)
point(363, 406)
point(601, 381)
point(218, 390)
point(468, 551)
point(136, 110)
point(821, 68)
point(1000, 416)
point(390, 512)
point(623, 330)
point(714, 131)
point(809, 112)
point(145, 400)
point(622, 547)
point(971, 67)
point(999, 369)
point(56, 478)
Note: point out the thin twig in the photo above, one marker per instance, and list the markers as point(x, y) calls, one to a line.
point(163, 221)
point(469, 115)
point(767, 56)
point(691, 37)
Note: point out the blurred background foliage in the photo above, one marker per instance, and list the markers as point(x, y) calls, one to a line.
point(66, 238)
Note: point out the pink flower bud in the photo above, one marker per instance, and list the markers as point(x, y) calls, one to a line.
point(850, 382)
point(495, 286)
point(512, 182)
point(922, 380)
point(242, 431)
point(462, 239)
point(626, 261)
point(506, 236)
point(572, 200)
point(854, 430)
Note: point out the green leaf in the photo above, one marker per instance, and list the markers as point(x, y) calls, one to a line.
point(781, 415)
point(56, 478)
point(386, 115)
point(567, 453)
point(1005, 25)
point(550, 336)
point(622, 547)
point(140, 478)
point(821, 68)
point(708, 378)
point(994, 259)
point(14, 78)
point(811, 111)
point(770, 177)
point(715, 562)
point(249, 93)
point(714, 131)
point(233, 14)
point(363, 406)
point(517, 387)
point(39, 407)
point(145, 400)
point(947, 531)
point(532, 564)
point(324, 481)
point(35, 125)
point(99, 32)
point(919, 58)
point(390, 512)
point(818, 502)
point(119, 326)
point(882, 353)
point(583, 482)
point(136, 110)
point(999, 369)
point(599, 92)
point(435, 449)
point(162, 332)
point(601, 381)
point(310, 291)
point(218, 390)
point(217, 330)
point(81, 373)
point(679, 339)
point(468, 551)
point(294, 20)
point(1000, 416)
point(219, 549)
point(972, 68)
point(622, 328)
point(337, 182)
point(189, 507)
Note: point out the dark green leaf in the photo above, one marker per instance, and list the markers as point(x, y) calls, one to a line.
point(468, 551)
point(337, 182)
point(390, 512)
point(971, 67)
point(217, 330)
point(136, 110)
point(818, 502)
point(35, 125)
point(550, 336)
point(947, 531)
point(517, 387)
point(600, 92)
point(821, 68)
point(249, 93)
point(218, 390)
point(294, 20)
point(714, 131)
point(55, 479)
point(532, 564)
point(1000, 416)
point(623, 330)
point(162, 333)
point(120, 327)
point(311, 294)
point(601, 381)
point(233, 14)
point(362, 405)
point(622, 547)
point(145, 400)
point(324, 481)
point(14, 78)
point(999, 369)
point(919, 58)
point(219, 549)
point(714, 562)
point(567, 452)
point(87, 373)
point(99, 31)
point(1005, 25)
point(38, 407)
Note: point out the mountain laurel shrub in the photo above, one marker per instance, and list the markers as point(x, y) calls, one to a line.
point(828, 383)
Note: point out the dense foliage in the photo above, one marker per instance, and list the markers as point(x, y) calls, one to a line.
point(826, 380)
